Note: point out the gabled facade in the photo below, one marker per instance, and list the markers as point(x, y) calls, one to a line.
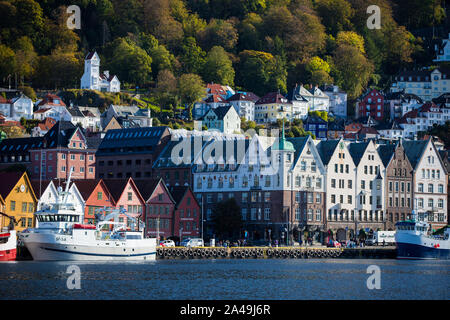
point(430, 182)
point(244, 103)
point(223, 119)
point(271, 107)
point(96, 196)
point(159, 208)
point(398, 184)
point(19, 199)
point(338, 101)
point(187, 214)
point(340, 188)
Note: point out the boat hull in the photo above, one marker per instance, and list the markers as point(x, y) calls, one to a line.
point(43, 247)
point(415, 251)
point(8, 250)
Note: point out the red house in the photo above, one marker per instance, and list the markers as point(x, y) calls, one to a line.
point(95, 195)
point(187, 213)
point(371, 104)
point(159, 208)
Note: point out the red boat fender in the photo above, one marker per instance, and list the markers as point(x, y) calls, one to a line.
point(84, 226)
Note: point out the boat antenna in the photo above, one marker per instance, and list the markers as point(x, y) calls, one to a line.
point(66, 192)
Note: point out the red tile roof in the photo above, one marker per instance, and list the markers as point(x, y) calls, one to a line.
point(49, 98)
point(272, 97)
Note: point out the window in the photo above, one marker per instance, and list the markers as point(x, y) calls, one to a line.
point(318, 198)
point(318, 215)
point(13, 206)
point(333, 198)
point(441, 203)
point(333, 183)
point(363, 184)
point(266, 213)
point(24, 207)
point(244, 214)
point(430, 203)
point(430, 188)
point(99, 195)
point(441, 188)
point(349, 198)
point(244, 197)
point(420, 187)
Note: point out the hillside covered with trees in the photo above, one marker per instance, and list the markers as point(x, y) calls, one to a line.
point(173, 47)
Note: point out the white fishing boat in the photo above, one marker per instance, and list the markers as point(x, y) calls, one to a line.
point(60, 235)
point(414, 241)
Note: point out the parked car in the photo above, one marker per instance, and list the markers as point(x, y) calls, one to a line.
point(195, 242)
point(167, 243)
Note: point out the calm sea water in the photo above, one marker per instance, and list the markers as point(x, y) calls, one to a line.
point(227, 279)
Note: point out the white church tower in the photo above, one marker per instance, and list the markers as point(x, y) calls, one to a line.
point(93, 80)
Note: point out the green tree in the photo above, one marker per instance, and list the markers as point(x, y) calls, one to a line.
point(131, 63)
point(26, 57)
point(351, 38)
point(7, 61)
point(192, 57)
point(227, 219)
point(218, 67)
point(351, 70)
point(191, 89)
point(218, 33)
point(336, 14)
point(261, 72)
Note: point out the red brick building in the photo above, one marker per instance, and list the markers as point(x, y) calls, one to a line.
point(187, 218)
point(371, 104)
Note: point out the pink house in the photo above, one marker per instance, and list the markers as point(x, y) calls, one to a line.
point(126, 196)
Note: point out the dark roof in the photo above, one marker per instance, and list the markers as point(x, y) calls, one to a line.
point(386, 151)
point(146, 187)
point(93, 142)
point(315, 120)
point(357, 150)
point(443, 98)
point(388, 126)
point(416, 75)
point(75, 112)
point(272, 97)
point(135, 140)
point(178, 193)
point(402, 96)
point(243, 96)
point(414, 150)
point(86, 187)
point(116, 187)
point(8, 181)
point(294, 95)
point(90, 55)
point(221, 112)
point(39, 186)
point(299, 144)
point(59, 135)
point(19, 145)
point(337, 125)
point(326, 149)
point(367, 130)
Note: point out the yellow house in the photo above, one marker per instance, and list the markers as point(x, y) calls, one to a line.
point(18, 198)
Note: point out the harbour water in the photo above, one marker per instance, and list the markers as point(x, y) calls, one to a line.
point(228, 279)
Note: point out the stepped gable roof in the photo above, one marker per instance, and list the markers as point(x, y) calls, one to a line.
point(272, 97)
point(386, 151)
point(9, 180)
point(144, 139)
point(326, 149)
point(243, 96)
point(416, 75)
point(86, 187)
point(357, 150)
point(414, 150)
point(20, 145)
point(116, 187)
point(147, 186)
point(39, 186)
